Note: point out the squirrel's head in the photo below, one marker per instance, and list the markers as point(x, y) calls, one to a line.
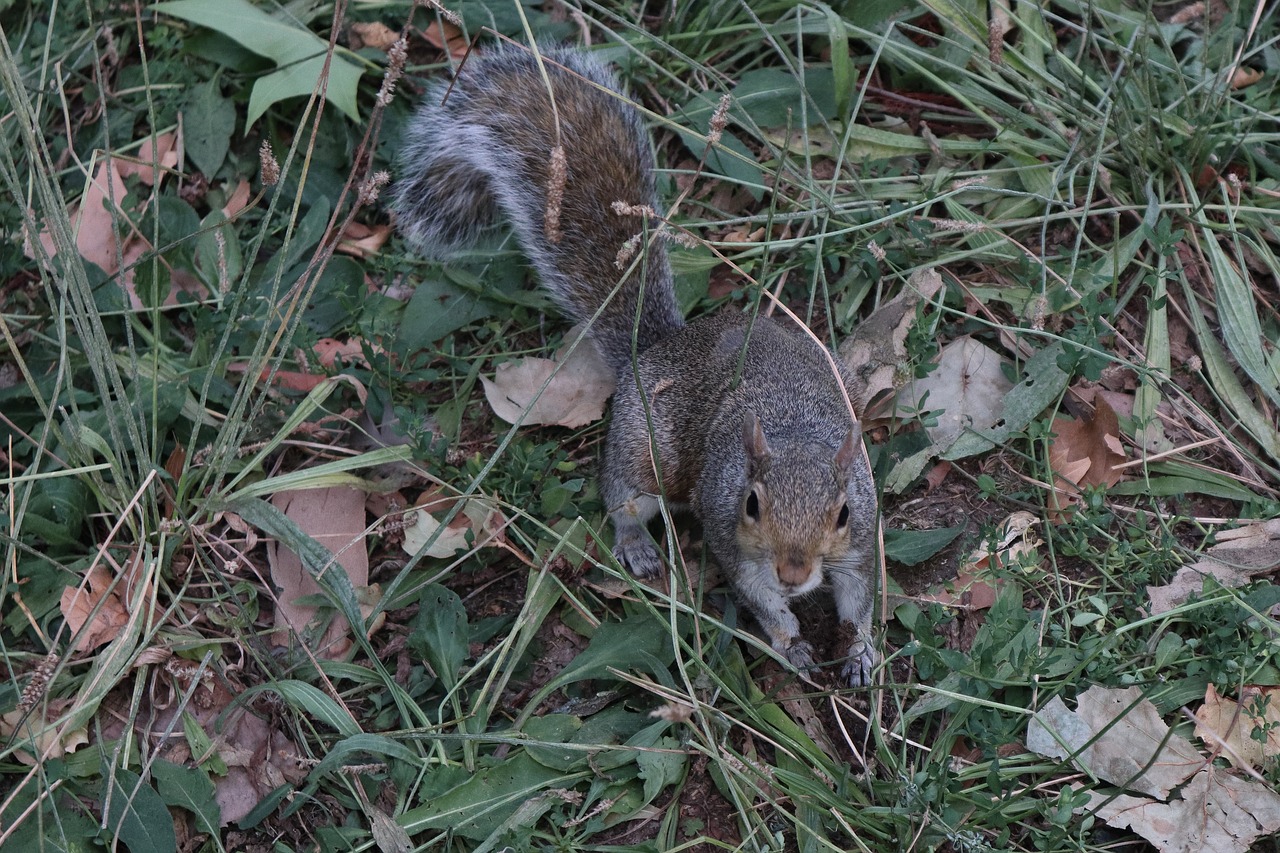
point(795, 511)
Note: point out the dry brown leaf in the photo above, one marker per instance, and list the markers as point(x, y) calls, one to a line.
point(334, 517)
point(351, 351)
point(443, 35)
point(163, 150)
point(1124, 732)
point(374, 34)
point(238, 200)
point(972, 589)
point(45, 741)
point(1239, 554)
point(1086, 452)
point(1215, 812)
point(574, 397)
point(361, 241)
point(480, 521)
point(876, 353)
point(1242, 78)
point(1223, 720)
point(1189, 581)
point(78, 603)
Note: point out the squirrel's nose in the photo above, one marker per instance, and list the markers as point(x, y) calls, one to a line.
point(794, 570)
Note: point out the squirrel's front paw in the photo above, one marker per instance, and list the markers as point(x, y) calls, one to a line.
point(800, 654)
point(639, 556)
point(862, 659)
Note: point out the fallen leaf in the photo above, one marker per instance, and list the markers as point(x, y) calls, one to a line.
point(876, 353)
point(1215, 812)
point(43, 738)
point(374, 34)
point(443, 35)
point(1085, 452)
point(1242, 78)
point(78, 608)
point(574, 397)
point(238, 200)
point(162, 151)
point(480, 523)
point(351, 351)
point(1017, 538)
point(1238, 555)
point(1114, 734)
point(334, 517)
point(967, 391)
point(361, 241)
point(1223, 720)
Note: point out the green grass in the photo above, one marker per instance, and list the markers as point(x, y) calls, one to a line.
point(1098, 197)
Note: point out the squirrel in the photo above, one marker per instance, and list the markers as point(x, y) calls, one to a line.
point(748, 421)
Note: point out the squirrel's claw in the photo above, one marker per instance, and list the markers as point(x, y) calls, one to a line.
point(861, 661)
point(639, 556)
point(800, 655)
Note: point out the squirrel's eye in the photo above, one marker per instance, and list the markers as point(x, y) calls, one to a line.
point(753, 506)
point(844, 517)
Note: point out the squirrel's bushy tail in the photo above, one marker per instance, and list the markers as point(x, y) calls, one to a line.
point(486, 146)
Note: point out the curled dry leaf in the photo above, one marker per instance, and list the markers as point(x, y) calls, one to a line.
point(1085, 452)
point(1239, 554)
point(480, 523)
point(373, 34)
point(876, 353)
point(361, 241)
point(43, 740)
point(1250, 728)
point(574, 397)
point(78, 608)
point(1118, 737)
point(238, 200)
point(972, 588)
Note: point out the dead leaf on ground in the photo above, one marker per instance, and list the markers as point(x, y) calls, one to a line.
point(334, 517)
point(238, 200)
point(78, 603)
point(1119, 754)
point(373, 34)
point(480, 523)
point(1085, 452)
point(91, 224)
point(966, 391)
point(443, 35)
point(44, 741)
point(1215, 811)
point(162, 151)
point(876, 353)
point(1223, 720)
point(574, 397)
point(361, 241)
point(1239, 554)
point(973, 587)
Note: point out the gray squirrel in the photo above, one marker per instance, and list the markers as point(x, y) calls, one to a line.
point(749, 423)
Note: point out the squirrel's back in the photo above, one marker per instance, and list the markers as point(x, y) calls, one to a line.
point(486, 144)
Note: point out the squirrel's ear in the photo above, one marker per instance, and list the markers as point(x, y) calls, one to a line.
point(753, 439)
point(848, 452)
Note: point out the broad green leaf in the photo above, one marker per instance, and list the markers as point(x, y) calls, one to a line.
point(136, 815)
point(311, 700)
point(911, 547)
point(208, 122)
point(479, 806)
point(439, 632)
point(437, 308)
point(661, 766)
point(299, 53)
point(189, 788)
